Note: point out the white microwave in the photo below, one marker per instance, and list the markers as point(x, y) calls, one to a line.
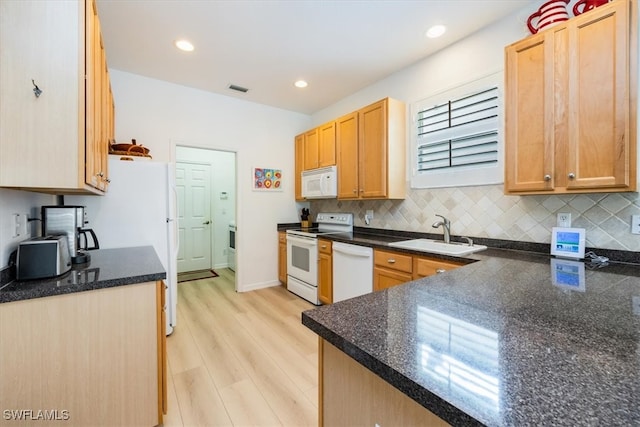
point(320, 183)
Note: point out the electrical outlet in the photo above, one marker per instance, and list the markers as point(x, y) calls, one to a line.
point(564, 220)
point(369, 213)
point(15, 227)
point(635, 224)
point(20, 225)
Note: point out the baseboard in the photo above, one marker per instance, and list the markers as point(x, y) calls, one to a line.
point(260, 285)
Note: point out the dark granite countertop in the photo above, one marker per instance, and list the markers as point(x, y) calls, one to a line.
point(107, 268)
point(515, 339)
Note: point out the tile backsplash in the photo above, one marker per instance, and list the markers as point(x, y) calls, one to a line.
point(485, 211)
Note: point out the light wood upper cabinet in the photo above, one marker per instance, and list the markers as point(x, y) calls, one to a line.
point(327, 145)
point(311, 149)
point(571, 94)
point(99, 117)
point(368, 147)
point(299, 165)
point(379, 159)
point(347, 155)
point(325, 271)
point(43, 146)
point(319, 147)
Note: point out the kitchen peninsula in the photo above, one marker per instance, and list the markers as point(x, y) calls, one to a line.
point(87, 347)
point(516, 338)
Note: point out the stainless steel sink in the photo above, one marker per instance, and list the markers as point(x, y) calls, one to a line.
point(438, 247)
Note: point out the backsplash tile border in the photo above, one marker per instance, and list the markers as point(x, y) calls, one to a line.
point(485, 211)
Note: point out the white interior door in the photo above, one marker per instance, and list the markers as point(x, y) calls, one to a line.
point(193, 183)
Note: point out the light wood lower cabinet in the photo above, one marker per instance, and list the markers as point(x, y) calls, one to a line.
point(394, 268)
point(391, 269)
point(325, 271)
point(423, 267)
point(161, 304)
point(282, 257)
point(351, 395)
point(95, 357)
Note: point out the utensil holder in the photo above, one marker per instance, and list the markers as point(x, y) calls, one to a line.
point(305, 224)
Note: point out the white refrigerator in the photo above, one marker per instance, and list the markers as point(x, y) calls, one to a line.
point(139, 209)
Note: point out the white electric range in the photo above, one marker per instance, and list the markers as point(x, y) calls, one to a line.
point(302, 253)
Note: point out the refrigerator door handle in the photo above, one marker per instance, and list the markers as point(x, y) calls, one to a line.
point(176, 240)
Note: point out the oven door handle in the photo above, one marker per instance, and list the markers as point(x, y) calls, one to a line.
point(303, 241)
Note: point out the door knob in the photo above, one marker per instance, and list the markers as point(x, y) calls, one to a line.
point(207, 223)
point(547, 177)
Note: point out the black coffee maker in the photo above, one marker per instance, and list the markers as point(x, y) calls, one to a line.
point(70, 221)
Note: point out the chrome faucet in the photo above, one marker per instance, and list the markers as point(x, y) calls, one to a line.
point(446, 227)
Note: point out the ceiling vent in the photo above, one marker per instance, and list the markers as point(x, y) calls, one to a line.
point(239, 88)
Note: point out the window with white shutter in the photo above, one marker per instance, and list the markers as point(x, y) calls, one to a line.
point(458, 136)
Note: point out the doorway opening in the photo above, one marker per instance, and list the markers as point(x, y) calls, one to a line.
point(206, 208)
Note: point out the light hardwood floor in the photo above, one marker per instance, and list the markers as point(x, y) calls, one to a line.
point(241, 359)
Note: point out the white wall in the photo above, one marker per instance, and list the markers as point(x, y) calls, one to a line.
point(223, 179)
point(160, 114)
point(476, 56)
point(21, 202)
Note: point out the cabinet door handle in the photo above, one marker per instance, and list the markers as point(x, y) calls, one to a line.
point(572, 175)
point(324, 246)
point(440, 270)
point(391, 261)
point(547, 177)
point(355, 191)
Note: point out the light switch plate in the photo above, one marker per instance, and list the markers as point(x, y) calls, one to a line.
point(635, 224)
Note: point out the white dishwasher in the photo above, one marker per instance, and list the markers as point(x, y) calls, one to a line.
point(352, 271)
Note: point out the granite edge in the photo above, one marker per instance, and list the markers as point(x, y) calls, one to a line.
point(418, 393)
point(23, 295)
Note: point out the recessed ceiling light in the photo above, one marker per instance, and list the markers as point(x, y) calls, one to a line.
point(301, 84)
point(436, 31)
point(184, 45)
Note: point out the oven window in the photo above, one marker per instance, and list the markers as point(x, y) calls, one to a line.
point(300, 257)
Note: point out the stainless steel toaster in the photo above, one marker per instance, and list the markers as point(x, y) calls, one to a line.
point(43, 257)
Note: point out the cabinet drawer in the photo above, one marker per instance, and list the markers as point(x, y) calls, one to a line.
point(423, 267)
point(324, 246)
point(384, 278)
point(394, 260)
